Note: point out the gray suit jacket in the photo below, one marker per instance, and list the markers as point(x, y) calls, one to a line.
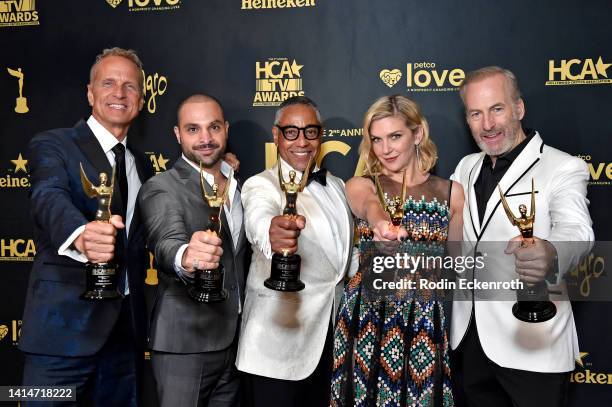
point(172, 210)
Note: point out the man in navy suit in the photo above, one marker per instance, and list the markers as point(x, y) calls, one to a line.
point(96, 346)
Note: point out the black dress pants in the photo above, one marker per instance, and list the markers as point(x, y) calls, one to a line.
point(482, 383)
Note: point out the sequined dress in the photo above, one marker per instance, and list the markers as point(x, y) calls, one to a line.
point(390, 352)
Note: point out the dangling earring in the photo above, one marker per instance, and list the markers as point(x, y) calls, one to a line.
point(418, 153)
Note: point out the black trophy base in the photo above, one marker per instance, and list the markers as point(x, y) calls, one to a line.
point(198, 294)
point(207, 286)
point(101, 282)
point(534, 311)
point(285, 274)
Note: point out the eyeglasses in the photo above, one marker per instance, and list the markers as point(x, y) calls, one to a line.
point(311, 132)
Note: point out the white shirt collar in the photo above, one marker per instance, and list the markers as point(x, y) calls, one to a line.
point(104, 137)
point(286, 167)
point(225, 169)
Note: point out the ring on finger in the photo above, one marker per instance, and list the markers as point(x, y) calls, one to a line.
point(196, 264)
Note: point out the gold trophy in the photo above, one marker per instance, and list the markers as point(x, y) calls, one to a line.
point(533, 304)
point(207, 285)
point(21, 103)
point(101, 278)
point(285, 268)
point(394, 206)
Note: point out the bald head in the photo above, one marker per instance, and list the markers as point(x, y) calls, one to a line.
point(197, 98)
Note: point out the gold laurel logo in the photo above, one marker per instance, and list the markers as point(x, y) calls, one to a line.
point(3, 331)
point(114, 3)
point(390, 77)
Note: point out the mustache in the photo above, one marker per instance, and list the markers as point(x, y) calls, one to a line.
point(490, 132)
point(206, 146)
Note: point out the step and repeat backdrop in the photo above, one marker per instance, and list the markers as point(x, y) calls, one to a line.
point(252, 54)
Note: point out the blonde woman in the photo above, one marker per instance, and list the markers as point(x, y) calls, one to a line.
point(394, 352)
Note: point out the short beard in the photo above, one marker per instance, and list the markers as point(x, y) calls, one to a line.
point(209, 162)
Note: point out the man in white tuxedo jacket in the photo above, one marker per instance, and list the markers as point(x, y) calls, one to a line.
point(285, 345)
point(502, 361)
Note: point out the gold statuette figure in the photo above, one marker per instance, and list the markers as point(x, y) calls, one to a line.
point(533, 303)
point(103, 193)
point(394, 206)
point(207, 285)
point(523, 222)
point(285, 266)
point(101, 279)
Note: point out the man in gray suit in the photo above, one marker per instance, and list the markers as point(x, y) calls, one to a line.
point(194, 344)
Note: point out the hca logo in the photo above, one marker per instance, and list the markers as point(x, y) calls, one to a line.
point(577, 72)
point(277, 79)
point(15, 13)
point(424, 77)
point(17, 250)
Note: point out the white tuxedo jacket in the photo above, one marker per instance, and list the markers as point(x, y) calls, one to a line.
point(283, 334)
point(561, 216)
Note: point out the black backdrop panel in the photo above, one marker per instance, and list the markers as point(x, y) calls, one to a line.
point(343, 54)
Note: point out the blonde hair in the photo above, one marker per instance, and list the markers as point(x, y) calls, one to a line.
point(406, 109)
point(129, 54)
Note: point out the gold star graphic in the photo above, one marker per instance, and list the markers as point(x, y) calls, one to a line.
point(602, 68)
point(161, 161)
point(295, 68)
point(579, 360)
point(20, 164)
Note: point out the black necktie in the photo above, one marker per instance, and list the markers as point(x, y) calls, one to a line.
point(318, 176)
point(121, 174)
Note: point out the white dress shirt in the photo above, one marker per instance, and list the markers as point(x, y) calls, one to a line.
point(107, 142)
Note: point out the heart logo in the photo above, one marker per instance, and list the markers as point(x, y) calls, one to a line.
point(390, 78)
point(113, 3)
point(3, 331)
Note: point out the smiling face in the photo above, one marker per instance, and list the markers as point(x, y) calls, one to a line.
point(493, 116)
point(202, 133)
point(297, 152)
point(114, 94)
point(393, 143)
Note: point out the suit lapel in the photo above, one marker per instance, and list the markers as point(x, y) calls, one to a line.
point(91, 148)
point(471, 196)
point(517, 171)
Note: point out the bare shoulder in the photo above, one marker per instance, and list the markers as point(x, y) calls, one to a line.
point(457, 196)
point(357, 184)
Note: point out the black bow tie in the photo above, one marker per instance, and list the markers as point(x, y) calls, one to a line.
point(318, 176)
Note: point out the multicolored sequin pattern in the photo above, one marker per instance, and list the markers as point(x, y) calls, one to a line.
point(394, 353)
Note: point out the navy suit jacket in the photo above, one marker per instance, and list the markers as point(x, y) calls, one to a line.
point(55, 321)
